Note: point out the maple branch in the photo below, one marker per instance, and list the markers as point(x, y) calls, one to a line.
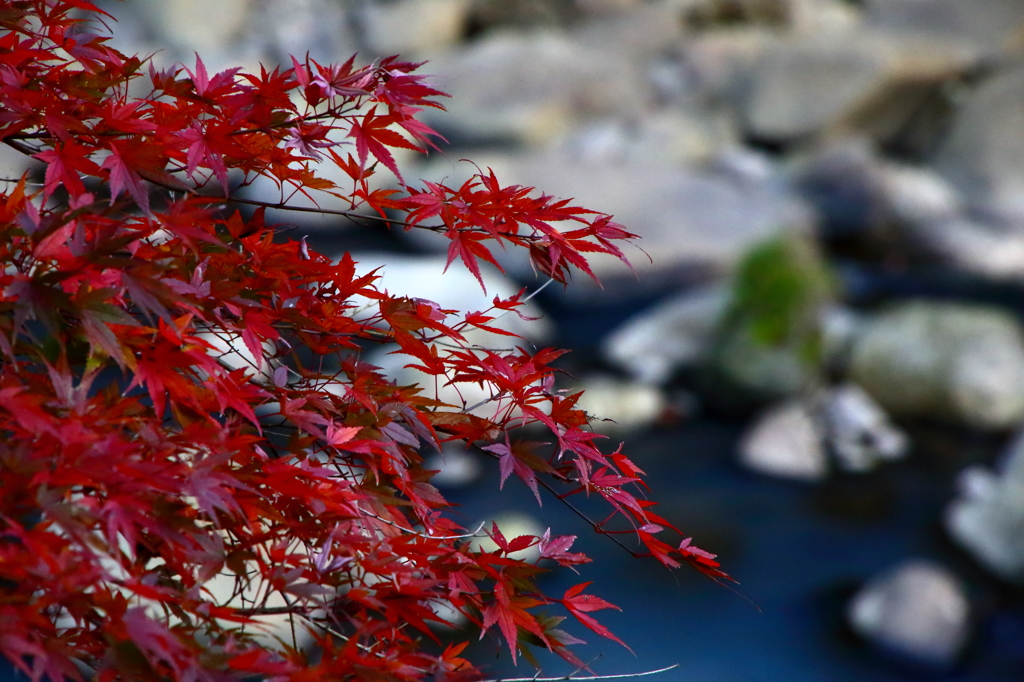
point(355, 215)
point(270, 610)
point(593, 524)
point(571, 676)
point(427, 536)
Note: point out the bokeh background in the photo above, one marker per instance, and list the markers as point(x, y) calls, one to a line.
point(818, 356)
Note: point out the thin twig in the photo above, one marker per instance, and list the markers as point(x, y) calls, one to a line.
point(593, 524)
point(355, 215)
point(589, 677)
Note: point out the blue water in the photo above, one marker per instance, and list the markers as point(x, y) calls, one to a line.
point(799, 552)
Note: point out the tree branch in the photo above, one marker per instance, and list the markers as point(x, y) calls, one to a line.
point(589, 677)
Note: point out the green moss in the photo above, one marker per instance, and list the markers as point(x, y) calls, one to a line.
point(778, 291)
point(770, 340)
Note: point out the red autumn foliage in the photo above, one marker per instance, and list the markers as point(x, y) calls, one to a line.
point(139, 462)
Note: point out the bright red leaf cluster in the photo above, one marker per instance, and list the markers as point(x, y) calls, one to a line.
point(182, 399)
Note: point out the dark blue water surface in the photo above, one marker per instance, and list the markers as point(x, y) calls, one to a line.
point(799, 552)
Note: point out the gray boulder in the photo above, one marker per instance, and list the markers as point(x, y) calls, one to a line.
point(786, 441)
point(532, 87)
point(618, 406)
point(859, 432)
point(674, 334)
point(987, 517)
point(411, 27)
point(990, 26)
point(857, 193)
point(804, 438)
point(983, 154)
point(943, 360)
point(993, 250)
point(917, 610)
point(844, 80)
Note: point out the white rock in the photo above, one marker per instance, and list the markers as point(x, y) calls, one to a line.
point(839, 327)
point(456, 467)
point(323, 28)
point(917, 195)
point(618, 406)
point(827, 81)
point(13, 164)
point(990, 26)
point(859, 431)
point(793, 439)
point(669, 137)
point(199, 25)
point(457, 289)
point(950, 360)
point(987, 518)
point(983, 151)
point(994, 251)
point(413, 26)
point(786, 441)
point(917, 610)
point(673, 334)
point(533, 87)
point(812, 17)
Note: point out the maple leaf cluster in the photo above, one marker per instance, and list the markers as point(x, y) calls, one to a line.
point(182, 395)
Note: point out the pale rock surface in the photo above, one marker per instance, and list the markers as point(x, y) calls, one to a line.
point(987, 517)
point(917, 610)
point(670, 137)
point(803, 87)
point(200, 25)
point(456, 466)
point(859, 432)
point(918, 195)
point(533, 87)
point(858, 193)
point(982, 153)
point(959, 361)
point(671, 335)
point(992, 26)
point(839, 327)
point(642, 31)
point(992, 250)
point(817, 17)
point(716, 66)
point(13, 164)
point(410, 27)
point(795, 438)
point(618, 406)
point(786, 441)
point(323, 28)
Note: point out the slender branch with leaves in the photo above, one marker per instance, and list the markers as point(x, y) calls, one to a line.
point(184, 402)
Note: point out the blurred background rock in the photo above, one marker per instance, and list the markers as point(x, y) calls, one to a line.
point(819, 358)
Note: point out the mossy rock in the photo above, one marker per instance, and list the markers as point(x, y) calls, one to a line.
point(769, 342)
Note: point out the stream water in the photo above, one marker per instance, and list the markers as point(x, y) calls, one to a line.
point(798, 551)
